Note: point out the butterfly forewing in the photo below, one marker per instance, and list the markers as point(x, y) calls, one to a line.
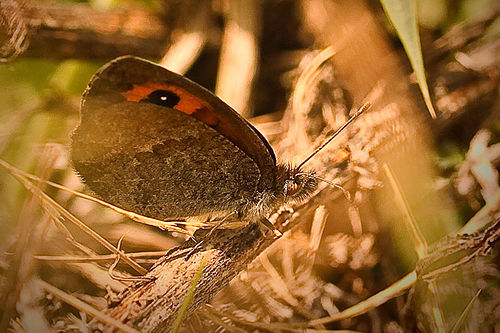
point(153, 142)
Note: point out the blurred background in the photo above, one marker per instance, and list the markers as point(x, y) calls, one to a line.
point(291, 67)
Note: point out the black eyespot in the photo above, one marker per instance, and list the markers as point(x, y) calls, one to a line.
point(162, 98)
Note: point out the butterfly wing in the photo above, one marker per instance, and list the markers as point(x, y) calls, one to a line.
point(153, 142)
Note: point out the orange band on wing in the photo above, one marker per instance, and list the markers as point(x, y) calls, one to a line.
point(188, 103)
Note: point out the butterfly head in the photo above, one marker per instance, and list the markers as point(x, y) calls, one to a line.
point(295, 184)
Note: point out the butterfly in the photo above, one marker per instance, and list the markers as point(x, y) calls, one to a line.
point(153, 142)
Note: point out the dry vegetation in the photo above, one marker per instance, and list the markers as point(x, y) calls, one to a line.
point(412, 247)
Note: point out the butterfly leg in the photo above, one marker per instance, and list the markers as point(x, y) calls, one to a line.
point(198, 244)
point(221, 222)
point(266, 223)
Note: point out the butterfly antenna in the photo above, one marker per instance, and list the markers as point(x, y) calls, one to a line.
point(346, 193)
point(362, 109)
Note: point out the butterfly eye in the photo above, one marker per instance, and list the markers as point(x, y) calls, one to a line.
point(291, 187)
point(162, 98)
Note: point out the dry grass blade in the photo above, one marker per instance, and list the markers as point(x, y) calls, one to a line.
point(162, 224)
point(84, 307)
point(28, 240)
point(418, 237)
point(302, 98)
point(372, 302)
point(52, 205)
point(317, 229)
point(419, 241)
point(484, 216)
point(112, 267)
point(188, 45)
point(211, 314)
point(214, 314)
point(239, 56)
point(276, 282)
point(305, 80)
point(106, 257)
point(437, 314)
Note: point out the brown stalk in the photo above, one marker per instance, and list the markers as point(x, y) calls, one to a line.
point(79, 31)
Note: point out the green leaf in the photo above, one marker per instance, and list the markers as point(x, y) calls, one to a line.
point(463, 316)
point(190, 294)
point(403, 16)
